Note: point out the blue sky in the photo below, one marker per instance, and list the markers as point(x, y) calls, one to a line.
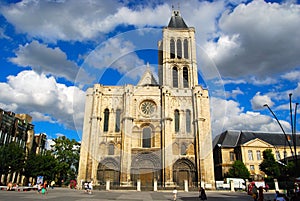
point(52, 51)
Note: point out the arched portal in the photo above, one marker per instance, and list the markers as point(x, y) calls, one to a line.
point(184, 169)
point(146, 167)
point(109, 169)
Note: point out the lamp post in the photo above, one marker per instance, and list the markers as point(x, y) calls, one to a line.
point(285, 135)
point(293, 127)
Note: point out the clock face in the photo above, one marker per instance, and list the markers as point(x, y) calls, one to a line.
point(148, 107)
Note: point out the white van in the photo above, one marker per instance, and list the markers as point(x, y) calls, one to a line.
point(238, 183)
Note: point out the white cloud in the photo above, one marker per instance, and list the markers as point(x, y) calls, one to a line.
point(258, 39)
point(2, 34)
point(229, 115)
point(45, 60)
point(78, 19)
point(49, 143)
point(292, 75)
point(37, 116)
point(230, 81)
point(116, 53)
point(235, 92)
point(258, 101)
point(202, 15)
point(81, 20)
point(43, 98)
point(262, 81)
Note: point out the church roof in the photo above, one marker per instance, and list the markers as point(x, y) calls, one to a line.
point(176, 21)
point(147, 78)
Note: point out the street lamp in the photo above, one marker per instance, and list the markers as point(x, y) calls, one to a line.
point(286, 137)
point(293, 126)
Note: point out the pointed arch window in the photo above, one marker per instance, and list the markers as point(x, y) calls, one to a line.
point(106, 119)
point(188, 121)
point(111, 149)
point(176, 118)
point(147, 137)
point(172, 49)
point(183, 149)
point(175, 77)
point(185, 48)
point(185, 77)
point(118, 117)
point(179, 49)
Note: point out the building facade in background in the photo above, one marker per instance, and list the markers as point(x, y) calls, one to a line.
point(18, 128)
point(248, 147)
point(155, 131)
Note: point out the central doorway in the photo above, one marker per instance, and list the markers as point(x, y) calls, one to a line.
point(145, 168)
point(146, 177)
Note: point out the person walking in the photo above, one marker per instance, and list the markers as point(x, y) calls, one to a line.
point(86, 187)
point(254, 193)
point(90, 187)
point(175, 194)
point(279, 196)
point(202, 194)
point(261, 193)
point(52, 184)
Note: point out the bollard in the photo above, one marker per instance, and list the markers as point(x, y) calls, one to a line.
point(155, 185)
point(138, 186)
point(108, 185)
point(186, 186)
point(231, 185)
point(276, 185)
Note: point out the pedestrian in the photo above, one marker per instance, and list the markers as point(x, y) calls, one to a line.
point(279, 197)
point(45, 185)
point(52, 184)
point(86, 187)
point(261, 193)
point(175, 194)
point(44, 190)
point(202, 194)
point(9, 186)
point(267, 187)
point(39, 187)
point(90, 186)
point(254, 193)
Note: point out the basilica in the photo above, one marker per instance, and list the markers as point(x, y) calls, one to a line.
point(157, 131)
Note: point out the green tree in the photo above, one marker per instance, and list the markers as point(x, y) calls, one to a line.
point(41, 165)
point(269, 164)
point(67, 154)
point(12, 157)
point(238, 170)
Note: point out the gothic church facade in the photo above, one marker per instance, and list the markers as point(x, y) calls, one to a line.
point(154, 131)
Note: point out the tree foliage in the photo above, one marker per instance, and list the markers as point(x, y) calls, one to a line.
point(12, 157)
point(59, 163)
point(269, 164)
point(238, 170)
point(41, 165)
point(67, 154)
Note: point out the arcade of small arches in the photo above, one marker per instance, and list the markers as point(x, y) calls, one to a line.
point(179, 149)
